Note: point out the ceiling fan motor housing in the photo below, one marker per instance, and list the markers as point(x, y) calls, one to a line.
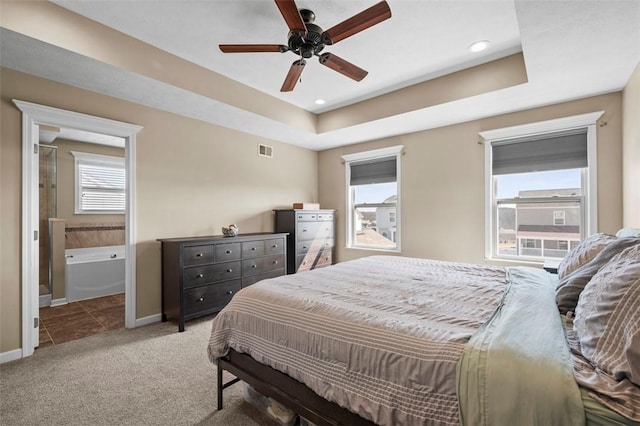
point(309, 44)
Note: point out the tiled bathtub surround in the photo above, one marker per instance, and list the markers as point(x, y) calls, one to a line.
point(82, 235)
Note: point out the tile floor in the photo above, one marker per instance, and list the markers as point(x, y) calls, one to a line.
point(60, 324)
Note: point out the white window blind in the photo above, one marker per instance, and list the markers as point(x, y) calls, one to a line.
point(100, 184)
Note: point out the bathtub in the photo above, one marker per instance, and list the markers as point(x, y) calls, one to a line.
point(94, 272)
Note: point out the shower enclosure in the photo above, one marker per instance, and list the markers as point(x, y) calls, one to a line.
point(48, 209)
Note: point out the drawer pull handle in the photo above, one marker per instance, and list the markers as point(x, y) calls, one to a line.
point(274, 246)
point(304, 230)
point(201, 299)
point(200, 276)
point(304, 247)
point(229, 270)
point(230, 292)
point(253, 248)
point(254, 266)
point(228, 251)
point(198, 254)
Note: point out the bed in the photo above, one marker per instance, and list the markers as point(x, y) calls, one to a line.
point(393, 340)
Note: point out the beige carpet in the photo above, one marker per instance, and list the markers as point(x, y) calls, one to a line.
point(150, 375)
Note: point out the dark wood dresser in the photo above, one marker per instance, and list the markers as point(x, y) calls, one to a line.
point(200, 275)
point(310, 243)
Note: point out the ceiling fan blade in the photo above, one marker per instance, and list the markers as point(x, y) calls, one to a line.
point(336, 63)
point(359, 22)
point(252, 48)
point(293, 75)
point(291, 15)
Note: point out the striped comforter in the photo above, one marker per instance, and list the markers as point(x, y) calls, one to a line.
point(380, 336)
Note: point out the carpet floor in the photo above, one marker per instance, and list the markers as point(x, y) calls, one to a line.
point(150, 375)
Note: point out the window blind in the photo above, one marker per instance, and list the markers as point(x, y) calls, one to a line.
point(381, 170)
point(102, 187)
point(556, 151)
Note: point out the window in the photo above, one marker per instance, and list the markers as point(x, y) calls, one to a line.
point(558, 217)
point(373, 199)
point(540, 186)
point(99, 184)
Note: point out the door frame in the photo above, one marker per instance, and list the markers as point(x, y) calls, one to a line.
point(33, 115)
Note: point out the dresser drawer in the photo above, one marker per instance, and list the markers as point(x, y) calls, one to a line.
point(227, 252)
point(311, 230)
point(274, 246)
point(252, 249)
point(211, 297)
point(325, 217)
point(200, 275)
point(198, 255)
point(313, 260)
point(318, 244)
point(304, 217)
point(246, 282)
point(262, 264)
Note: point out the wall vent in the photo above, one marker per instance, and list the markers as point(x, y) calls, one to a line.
point(265, 150)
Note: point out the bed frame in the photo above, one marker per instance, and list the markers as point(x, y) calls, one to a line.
point(282, 388)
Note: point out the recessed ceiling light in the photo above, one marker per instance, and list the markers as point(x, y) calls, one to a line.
point(319, 101)
point(478, 46)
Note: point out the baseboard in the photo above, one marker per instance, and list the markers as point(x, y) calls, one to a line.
point(148, 320)
point(44, 300)
point(58, 302)
point(10, 356)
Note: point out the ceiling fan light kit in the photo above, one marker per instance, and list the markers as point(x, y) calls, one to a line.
point(306, 39)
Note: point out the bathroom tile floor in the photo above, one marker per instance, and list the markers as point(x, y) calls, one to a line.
point(60, 324)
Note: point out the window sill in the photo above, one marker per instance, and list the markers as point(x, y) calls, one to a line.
point(515, 262)
point(396, 250)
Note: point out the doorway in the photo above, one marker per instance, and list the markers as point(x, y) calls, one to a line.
point(33, 116)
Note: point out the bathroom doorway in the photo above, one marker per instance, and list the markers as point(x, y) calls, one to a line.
point(34, 116)
point(82, 203)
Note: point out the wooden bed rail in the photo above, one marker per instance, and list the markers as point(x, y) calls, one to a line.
point(287, 391)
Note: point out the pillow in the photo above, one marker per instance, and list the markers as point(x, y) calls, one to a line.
point(569, 288)
point(583, 253)
point(628, 232)
point(607, 320)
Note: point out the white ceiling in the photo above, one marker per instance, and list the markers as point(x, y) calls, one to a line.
point(572, 49)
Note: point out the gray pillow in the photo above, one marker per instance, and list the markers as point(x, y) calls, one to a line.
point(581, 254)
point(607, 320)
point(569, 288)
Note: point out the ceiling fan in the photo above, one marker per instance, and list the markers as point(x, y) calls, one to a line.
point(307, 39)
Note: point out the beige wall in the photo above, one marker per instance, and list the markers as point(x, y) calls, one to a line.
point(631, 146)
point(443, 181)
point(192, 178)
point(66, 181)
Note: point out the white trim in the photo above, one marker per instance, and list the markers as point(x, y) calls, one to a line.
point(59, 302)
point(44, 300)
point(148, 320)
point(375, 153)
point(590, 221)
point(10, 356)
point(396, 150)
point(547, 126)
point(32, 116)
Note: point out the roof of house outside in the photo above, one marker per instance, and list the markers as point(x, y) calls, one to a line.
point(369, 237)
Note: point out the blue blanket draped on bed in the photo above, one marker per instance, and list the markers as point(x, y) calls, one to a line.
point(516, 369)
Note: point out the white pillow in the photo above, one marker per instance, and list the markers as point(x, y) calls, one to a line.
point(628, 232)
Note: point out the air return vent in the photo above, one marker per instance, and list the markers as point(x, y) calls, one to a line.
point(265, 150)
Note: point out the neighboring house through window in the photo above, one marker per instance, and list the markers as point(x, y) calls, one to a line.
point(540, 186)
point(373, 199)
point(99, 184)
